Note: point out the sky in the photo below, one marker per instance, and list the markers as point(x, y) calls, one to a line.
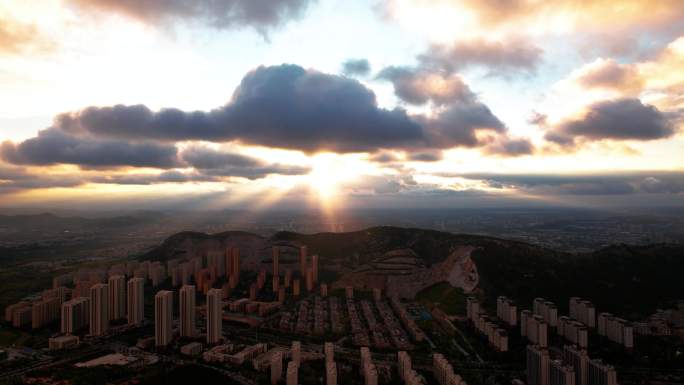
point(328, 104)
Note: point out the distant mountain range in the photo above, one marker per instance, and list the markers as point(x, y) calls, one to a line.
point(628, 280)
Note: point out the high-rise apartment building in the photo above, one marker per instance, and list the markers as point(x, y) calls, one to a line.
point(99, 309)
point(187, 311)
point(136, 300)
point(117, 297)
point(75, 315)
point(214, 316)
point(537, 365)
point(163, 318)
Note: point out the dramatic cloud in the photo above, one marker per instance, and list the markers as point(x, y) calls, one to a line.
point(53, 146)
point(657, 182)
point(622, 119)
point(500, 58)
point(260, 14)
point(458, 116)
point(279, 107)
point(283, 106)
point(218, 163)
point(356, 67)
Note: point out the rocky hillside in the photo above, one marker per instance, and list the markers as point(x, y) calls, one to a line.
point(631, 281)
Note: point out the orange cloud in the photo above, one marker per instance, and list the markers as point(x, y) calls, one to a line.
point(17, 37)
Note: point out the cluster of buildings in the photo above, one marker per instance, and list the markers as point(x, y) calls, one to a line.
point(616, 329)
point(507, 311)
point(100, 293)
point(220, 264)
point(497, 336)
point(662, 322)
point(573, 367)
point(320, 314)
point(227, 353)
point(164, 322)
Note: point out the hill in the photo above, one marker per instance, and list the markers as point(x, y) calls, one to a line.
point(629, 280)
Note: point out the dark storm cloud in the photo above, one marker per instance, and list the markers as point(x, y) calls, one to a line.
point(356, 67)
point(500, 58)
point(619, 183)
point(226, 164)
point(260, 14)
point(53, 146)
point(283, 106)
point(622, 119)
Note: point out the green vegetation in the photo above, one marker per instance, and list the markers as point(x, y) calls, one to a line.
point(451, 300)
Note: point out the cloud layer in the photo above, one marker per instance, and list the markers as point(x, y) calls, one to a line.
point(260, 14)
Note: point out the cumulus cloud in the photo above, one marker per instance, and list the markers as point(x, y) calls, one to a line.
point(459, 124)
point(621, 119)
point(53, 146)
point(501, 58)
point(282, 106)
point(458, 115)
point(259, 14)
point(508, 146)
point(416, 86)
point(356, 67)
point(608, 73)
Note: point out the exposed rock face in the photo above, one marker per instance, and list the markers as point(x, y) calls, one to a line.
point(401, 273)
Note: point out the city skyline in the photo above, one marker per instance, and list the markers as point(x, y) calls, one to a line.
point(334, 105)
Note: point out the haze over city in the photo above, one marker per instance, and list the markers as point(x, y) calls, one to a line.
point(359, 192)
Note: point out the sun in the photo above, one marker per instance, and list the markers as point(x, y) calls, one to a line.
point(333, 173)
